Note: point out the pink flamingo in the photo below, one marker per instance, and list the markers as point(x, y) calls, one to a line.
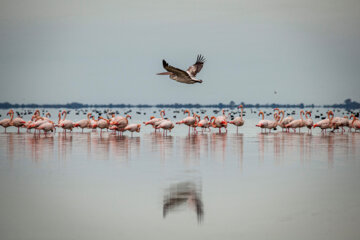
point(299, 123)
point(262, 123)
point(189, 120)
point(155, 121)
point(5, 123)
point(326, 123)
point(84, 123)
point(120, 122)
point(17, 122)
point(219, 121)
point(103, 123)
point(238, 121)
point(284, 121)
point(46, 127)
point(355, 123)
point(308, 122)
point(204, 123)
point(133, 128)
point(166, 125)
point(66, 124)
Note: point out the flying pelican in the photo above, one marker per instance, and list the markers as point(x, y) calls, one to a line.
point(187, 76)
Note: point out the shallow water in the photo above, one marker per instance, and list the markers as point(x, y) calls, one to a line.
point(248, 185)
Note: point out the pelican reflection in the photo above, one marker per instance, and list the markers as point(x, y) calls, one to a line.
point(181, 195)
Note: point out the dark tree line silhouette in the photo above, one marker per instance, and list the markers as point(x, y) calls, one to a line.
point(348, 104)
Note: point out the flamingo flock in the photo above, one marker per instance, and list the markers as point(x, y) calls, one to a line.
point(121, 124)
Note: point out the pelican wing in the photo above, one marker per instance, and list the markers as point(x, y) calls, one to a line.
point(180, 73)
point(196, 68)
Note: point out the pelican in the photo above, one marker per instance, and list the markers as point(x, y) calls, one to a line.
point(187, 76)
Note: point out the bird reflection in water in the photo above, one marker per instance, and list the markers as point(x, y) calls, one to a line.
point(163, 145)
point(218, 145)
point(183, 194)
point(194, 146)
point(238, 147)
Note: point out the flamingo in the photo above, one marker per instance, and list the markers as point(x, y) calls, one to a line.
point(326, 123)
point(103, 124)
point(283, 122)
point(238, 121)
point(166, 125)
point(273, 124)
point(5, 123)
point(262, 123)
point(17, 122)
point(299, 123)
point(133, 128)
point(355, 123)
point(46, 127)
point(120, 122)
point(84, 123)
point(93, 123)
point(30, 122)
point(308, 122)
point(66, 124)
point(219, 121)
point(204, 123)
point(189, 120)
point(155, 121)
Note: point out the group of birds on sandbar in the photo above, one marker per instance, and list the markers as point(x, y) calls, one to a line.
point(120, 124)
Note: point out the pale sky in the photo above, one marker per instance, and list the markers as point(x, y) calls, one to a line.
point(103, 52)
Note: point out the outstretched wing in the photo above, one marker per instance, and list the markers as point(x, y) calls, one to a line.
point(196, 68)
point(176, 71)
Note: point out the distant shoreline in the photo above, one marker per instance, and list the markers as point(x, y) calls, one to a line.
point(348, 104)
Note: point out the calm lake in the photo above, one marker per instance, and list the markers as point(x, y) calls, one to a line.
point(249, 185)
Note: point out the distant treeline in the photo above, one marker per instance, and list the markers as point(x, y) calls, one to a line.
point(348, 104)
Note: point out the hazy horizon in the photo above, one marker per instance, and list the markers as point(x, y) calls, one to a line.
point(101, 52)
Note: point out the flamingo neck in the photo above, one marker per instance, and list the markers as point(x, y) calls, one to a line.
point(301, 114)
point(11, 117)
point(283, 114)
point(261, 113)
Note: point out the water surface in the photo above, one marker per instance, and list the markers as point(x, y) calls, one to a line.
point(248, 185)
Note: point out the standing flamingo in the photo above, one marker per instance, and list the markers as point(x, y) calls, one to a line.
point(238, 121)
point(284, 121)
point(120, 122)
point(103, 124)
point(355, 123)
point(273, 124)
point(166, 125)
point(155, 121)
point(66, 124)
point(204, 123)
point(17, 122)
point(133, 128)
point(5, 123)
point(309, 122)
point(219, 121)
point(189, 120)
point(262, 123)
point(326, 123)
point(84, 123)
point(46, 127)
point(93, 123)
point(299, 123)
